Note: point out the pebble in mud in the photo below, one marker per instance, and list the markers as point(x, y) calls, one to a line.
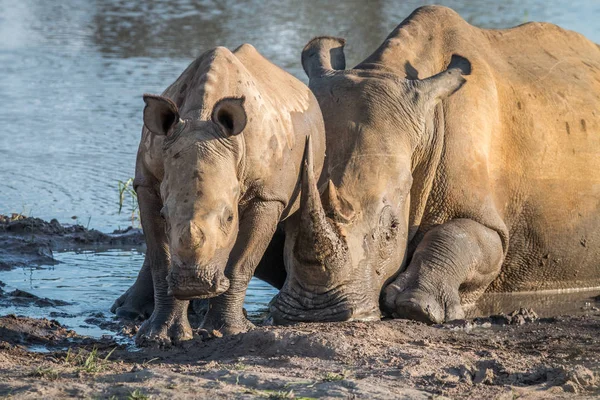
point(464, 325)
point(517, 317)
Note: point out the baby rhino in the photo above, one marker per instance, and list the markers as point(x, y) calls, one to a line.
point(217, 168)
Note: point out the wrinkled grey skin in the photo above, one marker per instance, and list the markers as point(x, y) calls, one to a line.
point(445, 187)
point(218, 167)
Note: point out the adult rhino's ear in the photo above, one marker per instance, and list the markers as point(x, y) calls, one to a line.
point(161, 115)
point(322, 54)
point(230, 115)
point(440, 86)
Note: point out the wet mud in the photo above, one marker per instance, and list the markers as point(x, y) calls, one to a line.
point(26, 241)
point(22, 298)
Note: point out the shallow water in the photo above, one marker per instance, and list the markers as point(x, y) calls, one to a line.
point(91, 281)
point(72, 74)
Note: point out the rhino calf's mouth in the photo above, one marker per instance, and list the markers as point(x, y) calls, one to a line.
point(196, 283)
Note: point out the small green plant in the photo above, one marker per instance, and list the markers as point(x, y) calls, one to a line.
point(281, 394)
point(332, 377)
point(239, 366)
point(276, 394)
point(146, 363)
point(90, 363)
point(45, 372)
point(126, 190)
point(137, 395)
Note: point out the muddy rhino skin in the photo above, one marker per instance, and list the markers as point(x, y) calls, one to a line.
point(218, 167)
point(483, 177)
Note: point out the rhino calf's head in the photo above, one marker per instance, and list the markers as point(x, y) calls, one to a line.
point(200, 191)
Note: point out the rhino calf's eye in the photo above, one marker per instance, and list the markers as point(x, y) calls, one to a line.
point(230, 218)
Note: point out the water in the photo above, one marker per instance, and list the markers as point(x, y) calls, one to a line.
point(72, 74)
point(90, 281)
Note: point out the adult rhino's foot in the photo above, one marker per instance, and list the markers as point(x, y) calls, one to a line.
point(165, 328)
point(429, 306)
point(136, 303)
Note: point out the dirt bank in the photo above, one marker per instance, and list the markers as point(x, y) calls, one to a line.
point(29, 242)
point(484, 358)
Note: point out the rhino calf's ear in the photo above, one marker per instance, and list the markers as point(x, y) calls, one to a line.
point(230, 115)
point(160, 114)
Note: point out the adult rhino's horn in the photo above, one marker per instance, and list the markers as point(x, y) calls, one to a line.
point(323, 54)
point(318, 244)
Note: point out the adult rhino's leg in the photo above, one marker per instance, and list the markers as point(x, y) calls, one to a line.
point(138, 301)
point(257, 227)
point(168, 323)
point(455, 260)
point(271, 267)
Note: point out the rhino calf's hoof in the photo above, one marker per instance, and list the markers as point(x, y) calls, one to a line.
point(163, 332)
point(226, 327)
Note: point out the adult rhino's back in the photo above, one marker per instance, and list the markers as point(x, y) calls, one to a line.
point(522, 136)
point(545, 156)
point(549, 157)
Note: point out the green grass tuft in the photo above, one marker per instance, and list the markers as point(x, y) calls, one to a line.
point(332, 377)
point(137, 395)
point(125, 189)
point(45, 372)
point(88, 362)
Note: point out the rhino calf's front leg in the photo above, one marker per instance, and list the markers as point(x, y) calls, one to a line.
point(257, 227)
point(168, 323)
point(455, 260)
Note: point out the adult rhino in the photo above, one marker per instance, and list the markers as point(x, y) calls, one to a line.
point(218, 167)
point(436, 197)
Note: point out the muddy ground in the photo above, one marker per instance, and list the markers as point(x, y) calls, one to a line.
point(505, 356)
point(486, 358)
